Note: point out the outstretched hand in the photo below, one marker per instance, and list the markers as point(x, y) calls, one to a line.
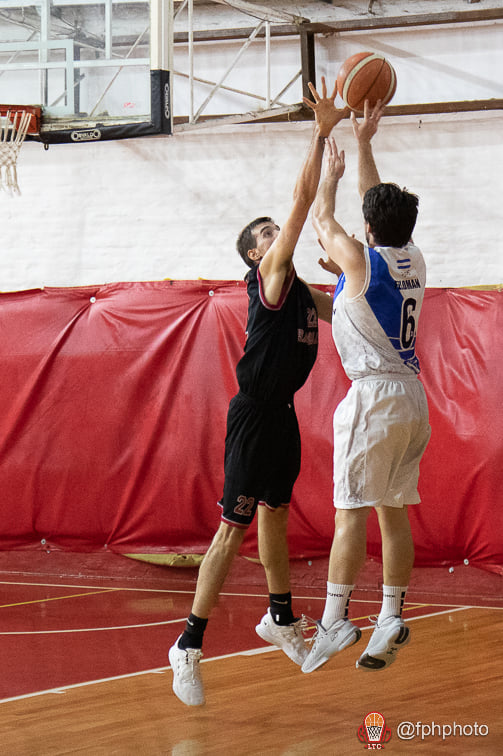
point(365, 130)
point(335, 161)
point(326, 114)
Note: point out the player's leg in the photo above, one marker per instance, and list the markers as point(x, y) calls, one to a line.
point(397, 545)
point(349, 545)
point(185, 654)
point(347, 556)
point(273, 547)
point(278, 626)
point(215, 567)
point(390, 633)
point(351, 495)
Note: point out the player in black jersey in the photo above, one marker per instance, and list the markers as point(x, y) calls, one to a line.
point(262, 446)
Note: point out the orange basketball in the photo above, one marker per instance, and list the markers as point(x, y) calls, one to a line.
point(366, 76)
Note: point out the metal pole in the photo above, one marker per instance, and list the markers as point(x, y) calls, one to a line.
point(268, 61)
point(108, 29)
point(44, 38)
point(191, 61)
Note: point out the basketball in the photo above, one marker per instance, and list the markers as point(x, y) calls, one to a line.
point(366, 76)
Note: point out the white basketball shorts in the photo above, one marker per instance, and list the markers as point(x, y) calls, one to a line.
point(381, 430)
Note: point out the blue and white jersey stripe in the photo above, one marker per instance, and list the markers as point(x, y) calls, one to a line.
point(375, 332)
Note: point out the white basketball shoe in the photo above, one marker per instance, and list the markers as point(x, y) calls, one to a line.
point(289, 638)
point(387, 639)
point(187, 682)
point(327, 642)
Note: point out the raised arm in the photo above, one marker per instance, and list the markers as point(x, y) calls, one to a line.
point(277, 262)
point(326, 117)
point(368, 175)
point(344, 252)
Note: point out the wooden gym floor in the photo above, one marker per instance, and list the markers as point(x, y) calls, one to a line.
point(83, 654)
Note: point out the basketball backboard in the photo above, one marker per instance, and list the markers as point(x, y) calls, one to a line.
point(99, 69)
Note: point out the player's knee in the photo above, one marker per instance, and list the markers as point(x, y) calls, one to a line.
point(228, 538)
point(348, 520)
point(393, 519)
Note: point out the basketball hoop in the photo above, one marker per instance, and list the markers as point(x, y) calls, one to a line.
point(15, 123)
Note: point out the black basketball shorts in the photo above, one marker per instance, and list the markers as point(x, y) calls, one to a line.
point(262, 458)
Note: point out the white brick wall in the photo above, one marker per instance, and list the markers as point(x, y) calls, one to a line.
point(171, 207)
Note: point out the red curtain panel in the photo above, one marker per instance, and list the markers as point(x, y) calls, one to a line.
point(113, 404)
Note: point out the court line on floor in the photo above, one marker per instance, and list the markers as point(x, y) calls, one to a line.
point(58, 598)
point(142, 624)
point(112, 588)
point(161, 670)
point(227, 593)
point(91, 629)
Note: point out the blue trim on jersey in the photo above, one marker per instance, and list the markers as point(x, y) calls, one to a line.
point(340, 285)
point(386, 302)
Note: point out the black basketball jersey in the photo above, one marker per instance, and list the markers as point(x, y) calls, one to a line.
point(281, 343)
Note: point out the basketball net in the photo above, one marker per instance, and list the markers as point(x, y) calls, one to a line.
point(12, 133)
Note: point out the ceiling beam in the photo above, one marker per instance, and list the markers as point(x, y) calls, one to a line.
point(430, 108)
point(263, 12)
point(300, 112)
point(357, 24)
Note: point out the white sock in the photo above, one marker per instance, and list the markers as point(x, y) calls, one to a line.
point(393, 597)
point(337, 603)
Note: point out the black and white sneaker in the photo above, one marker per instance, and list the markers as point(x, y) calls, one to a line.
point(385, 642)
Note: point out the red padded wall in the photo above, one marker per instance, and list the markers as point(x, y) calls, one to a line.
point(113, 404)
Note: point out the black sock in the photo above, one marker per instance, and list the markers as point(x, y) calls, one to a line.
point(192, 636)
point(281, 608)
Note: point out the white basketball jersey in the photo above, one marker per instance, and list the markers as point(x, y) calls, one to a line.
point(375, 332)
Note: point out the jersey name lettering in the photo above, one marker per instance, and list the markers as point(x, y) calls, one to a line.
point(312, 317)
point(307, 337)
point(409, 283)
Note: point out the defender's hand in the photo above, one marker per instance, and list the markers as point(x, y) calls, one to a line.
point(326, 114)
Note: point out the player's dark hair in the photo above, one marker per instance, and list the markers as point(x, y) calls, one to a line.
point(391, 213)
point(246, 239)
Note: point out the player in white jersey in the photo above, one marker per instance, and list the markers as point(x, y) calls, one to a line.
point(381, 427)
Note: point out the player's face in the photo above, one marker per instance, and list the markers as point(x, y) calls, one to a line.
point(265, 234)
